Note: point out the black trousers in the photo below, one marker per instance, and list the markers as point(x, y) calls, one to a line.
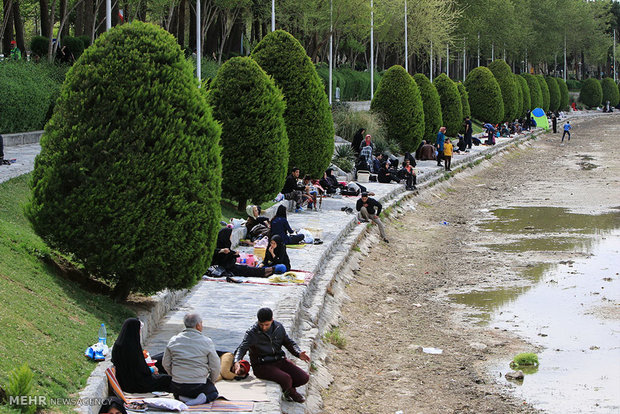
point(468, 140)
point(193, 390)
point(410, 180)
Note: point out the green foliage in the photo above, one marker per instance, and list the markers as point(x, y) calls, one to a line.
point(464, 99)
point(254, 141)
point(536, 98)
point(398, 101)
point(591, 93)
point(545, 92)
point(573, 85)
point(347, 122)
point(519, 96)
point(308, 118)
point(27, 91)
point(610, 92)
point(335, 337)
point(39, 46)
point(344, 157)
point(504, 76)
point(451, 106)
point(526, 358)
point(526, 95)
point(485, 95)
point(20, 384)
point(564, 95)
point(75, 46)
point(554, 94)
point(85, 41)
point(432, 106)
point(354, 85)
point(128, 178)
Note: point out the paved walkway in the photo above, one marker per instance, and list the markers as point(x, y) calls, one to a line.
point(24, 160)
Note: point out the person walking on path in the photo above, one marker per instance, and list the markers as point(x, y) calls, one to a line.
point(191, 359)
point(468, 132)
point(369, 209)
point(554, 122)
point(567, 129)
point(441, 137)
point(264, 340)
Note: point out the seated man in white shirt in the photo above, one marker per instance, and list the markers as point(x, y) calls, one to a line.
point(190, 358)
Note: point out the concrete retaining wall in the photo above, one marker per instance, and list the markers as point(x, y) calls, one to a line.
point(22, 138)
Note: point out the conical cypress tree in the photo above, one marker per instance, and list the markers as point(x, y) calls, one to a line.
point(451, 106)
point(128, 178)
point(519, 97)
point(554, 94)
point(308, 117)
point(254, 140)
point(432, 107)
point(610, 92)
point(545, 92)
point(464, 99)
point(485, 95)
point(398, 101)
point(535, 91)
point(505, 79)
point(526, 96)
point(564, 96)
point(591, 93)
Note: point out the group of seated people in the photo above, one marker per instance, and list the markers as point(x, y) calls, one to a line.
point(190, 365)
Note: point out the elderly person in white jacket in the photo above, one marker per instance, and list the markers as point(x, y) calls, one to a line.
point(190, 358)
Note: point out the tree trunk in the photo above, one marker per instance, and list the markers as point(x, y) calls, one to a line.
point(19, 29)
point(63, 12)
point(50, 33)
point(88, 18)
point(181, 24)
point(7, 27)
point(242, 205)
point(121, 290)
point(45, 17)
point(79, 19)
point(115, 18)
point(192, 27)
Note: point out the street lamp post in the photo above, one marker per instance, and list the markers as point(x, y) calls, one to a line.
point(331, 48)
point(273, 15)
point(464, 60)
point(198, 45)
point(406, 50)
point(372, 52)
point(447, 59)
point(431, 62)
point(108, 14)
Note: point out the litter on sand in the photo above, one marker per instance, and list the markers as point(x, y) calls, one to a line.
point(434, 351)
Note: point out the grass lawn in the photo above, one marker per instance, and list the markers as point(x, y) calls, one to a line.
point(45, 321)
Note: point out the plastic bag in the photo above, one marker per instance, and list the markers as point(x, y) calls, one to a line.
point(263, 242)
point(308, 237)
point(97, 352)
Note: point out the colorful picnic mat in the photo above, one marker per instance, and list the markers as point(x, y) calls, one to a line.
point(223, 406)
point(303, 278)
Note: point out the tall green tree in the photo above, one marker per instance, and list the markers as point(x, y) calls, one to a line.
point(308, 117)
point(591, 93)
point(432, 106)
point(451, 106)
point(554, 94)
point(610, 92)
point(505, 79)
point(545, 92)
point(564, 95)
point(128, 178)
point(536, 98)
point(485, 96)
point(399, 102)
point(254, 140)
point(526, 96)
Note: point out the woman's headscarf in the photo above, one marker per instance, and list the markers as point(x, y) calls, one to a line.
point(281, 211)
point(127, 354)
point(223, 238)
point(250, 211)
point(367, 139)
point(113, 402)
point(328, 172)
point(280, 246)
point(357, 139)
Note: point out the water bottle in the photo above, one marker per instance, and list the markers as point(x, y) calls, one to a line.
point(102, 335)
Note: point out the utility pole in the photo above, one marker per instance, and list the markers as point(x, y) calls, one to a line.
point(108, 15)
point(613, 66)
point(478, 48)
point(331, 48)
point(564, 57)
point(448, 59)
point(198, 46)
point(372, 51)
point(431, 62)
point(273, 15)
point(492, 51)
point(406, 49)
point(464, 60)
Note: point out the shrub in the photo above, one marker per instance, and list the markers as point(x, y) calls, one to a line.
point(27, 91)
point(344, 157)
point(398, 101)
point(526, 358)
point(464, 99)
point(573, 85)
point(526, 96)
point(554, 94)
point(591, 93)
point(451, 106)
point(610, 92)
point(505, 79)
point(519, 97)
point(354, 85)
point(75, 46)
point(21, 381)
point(39, 46)
point(485, 95)
point(308, 118)
point(254, 141)
point(85, 40)
point(536, 99)
point(128, 178)
point(545, 92)
point(431, 105)
point(335, 337)
point(347, 123)
point(564, 95)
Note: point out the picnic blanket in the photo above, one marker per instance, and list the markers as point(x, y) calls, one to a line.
point(300, 275)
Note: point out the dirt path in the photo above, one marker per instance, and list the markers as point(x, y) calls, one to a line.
point(381, 369)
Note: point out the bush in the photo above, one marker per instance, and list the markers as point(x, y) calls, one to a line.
point(464, 99)
point(519, 97)
point(21, 381)
point(431, 105)
point(254, 141)
point(128, 178)
point(347, 123)
point(504, 77)
point(591, 93)
point(344, 158)
point(564, 95)
point(485, 96)
point(536, 99)
point(85, 41)
point(75, 46)
point(524, 359)
point(398, 101)
point(554, 94)
point(354, 85)
point(610, 92)
point(39, 46)
point(451, 106)
point(27, 92)
point(308, 118)
point(573, 85)
point(545, 92)
point(526, 103)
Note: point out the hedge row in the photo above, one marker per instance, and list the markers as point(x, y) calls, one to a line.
point(354, 85)
point(485, 96)
point(432, 107)
point(591, 93)
point(27, 94)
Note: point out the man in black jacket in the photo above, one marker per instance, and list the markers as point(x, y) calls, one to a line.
point(292, 190)
point(264, 340)
point(369, 209)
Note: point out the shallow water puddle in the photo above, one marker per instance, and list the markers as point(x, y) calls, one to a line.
point(571, 309)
